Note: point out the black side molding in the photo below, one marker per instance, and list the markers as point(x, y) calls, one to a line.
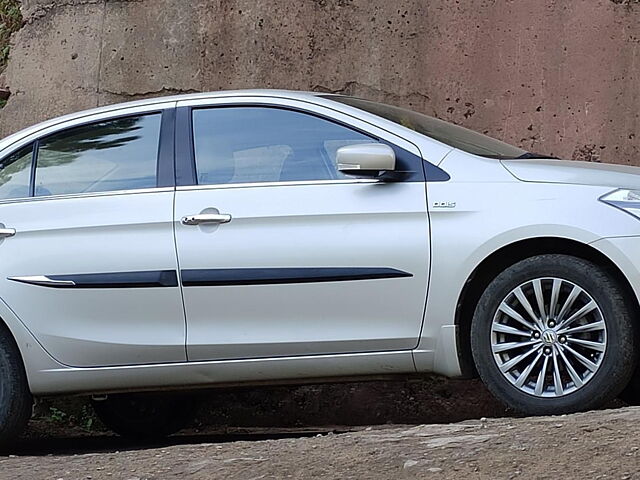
point(272, 276)
point(149, 279)
point(212, 277)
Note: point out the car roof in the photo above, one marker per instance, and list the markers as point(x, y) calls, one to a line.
point(292, 94)
point(284, 94)
point(21, 138)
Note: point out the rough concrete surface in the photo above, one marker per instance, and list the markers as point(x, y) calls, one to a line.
point(555, 76)
point(595, 445)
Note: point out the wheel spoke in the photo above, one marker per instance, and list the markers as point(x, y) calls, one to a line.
point(505, 367)
point(557, 380)
point(502, 328)
point(581, 358)
point(527, 371)
point(568, 303)
point(555, 293)
point(522, 298)
point(572, 371)
point(589, 307)
point(537, 288)
point(589, 327)
point(504, 308)
point(541, 376)
point(597, 346)
point(503, 347)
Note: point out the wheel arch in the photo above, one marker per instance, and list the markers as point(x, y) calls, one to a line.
point(34, 358)
point(509, 255)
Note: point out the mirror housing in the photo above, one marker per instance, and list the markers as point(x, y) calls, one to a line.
point(366, 159)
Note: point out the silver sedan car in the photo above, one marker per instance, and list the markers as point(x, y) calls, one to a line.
point(247, 237)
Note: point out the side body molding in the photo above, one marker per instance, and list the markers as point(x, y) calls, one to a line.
point(211, 277)
point(148, 279)
point(270, 276)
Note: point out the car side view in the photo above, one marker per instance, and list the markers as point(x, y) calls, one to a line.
point(152, 248)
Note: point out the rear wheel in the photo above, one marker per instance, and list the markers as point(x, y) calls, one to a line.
point(16, 402)
point(145, 416)
point(553, 334)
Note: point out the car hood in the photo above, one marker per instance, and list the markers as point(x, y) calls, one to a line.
point(574, 172)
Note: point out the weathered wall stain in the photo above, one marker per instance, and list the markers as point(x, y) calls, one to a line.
point(558, 77)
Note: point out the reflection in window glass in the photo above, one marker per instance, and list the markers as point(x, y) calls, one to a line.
point(113, 155)
point(259, 144)
point(15, 174)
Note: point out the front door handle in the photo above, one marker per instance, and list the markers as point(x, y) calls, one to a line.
point(206, 218)
point(7, 232)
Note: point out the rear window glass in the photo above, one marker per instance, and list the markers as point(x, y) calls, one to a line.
point(119, 154)
point(15, 174)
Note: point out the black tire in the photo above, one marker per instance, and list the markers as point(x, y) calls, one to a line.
point(16, 402)
point(617, 363)
point(145, 416)
point(631, 393)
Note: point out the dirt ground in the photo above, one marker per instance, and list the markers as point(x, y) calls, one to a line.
point(603, 444)
point(416, 400)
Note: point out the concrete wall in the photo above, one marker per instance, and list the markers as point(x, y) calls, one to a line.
point(554, 76)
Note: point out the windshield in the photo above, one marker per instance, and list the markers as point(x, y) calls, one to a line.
point(447, 133)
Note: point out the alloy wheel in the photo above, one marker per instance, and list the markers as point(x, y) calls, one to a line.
point(548, 337)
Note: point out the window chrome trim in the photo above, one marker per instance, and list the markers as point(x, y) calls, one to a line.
point(66, 196)
point(277, 184)
point(139, 191)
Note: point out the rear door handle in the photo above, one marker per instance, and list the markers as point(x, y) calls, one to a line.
point(7, 232)
point(206, 218)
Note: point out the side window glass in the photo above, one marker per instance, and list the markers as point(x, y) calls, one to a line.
point(261, 144)
point(15, 174)
point(120, 154)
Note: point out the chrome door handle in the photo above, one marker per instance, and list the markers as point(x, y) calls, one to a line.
point(7, 232)
point(206, 218)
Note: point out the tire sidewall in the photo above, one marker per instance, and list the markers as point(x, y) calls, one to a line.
point(6, 387)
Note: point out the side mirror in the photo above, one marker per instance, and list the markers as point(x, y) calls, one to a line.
point(366, 159)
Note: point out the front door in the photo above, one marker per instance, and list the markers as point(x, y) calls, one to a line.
point(91, 269)
point(282, 255)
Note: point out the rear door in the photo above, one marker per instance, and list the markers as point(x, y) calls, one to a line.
point(91, 269)
point(303, 259)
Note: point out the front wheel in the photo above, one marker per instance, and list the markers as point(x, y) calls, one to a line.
point(553, 334)
point(145, 416)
